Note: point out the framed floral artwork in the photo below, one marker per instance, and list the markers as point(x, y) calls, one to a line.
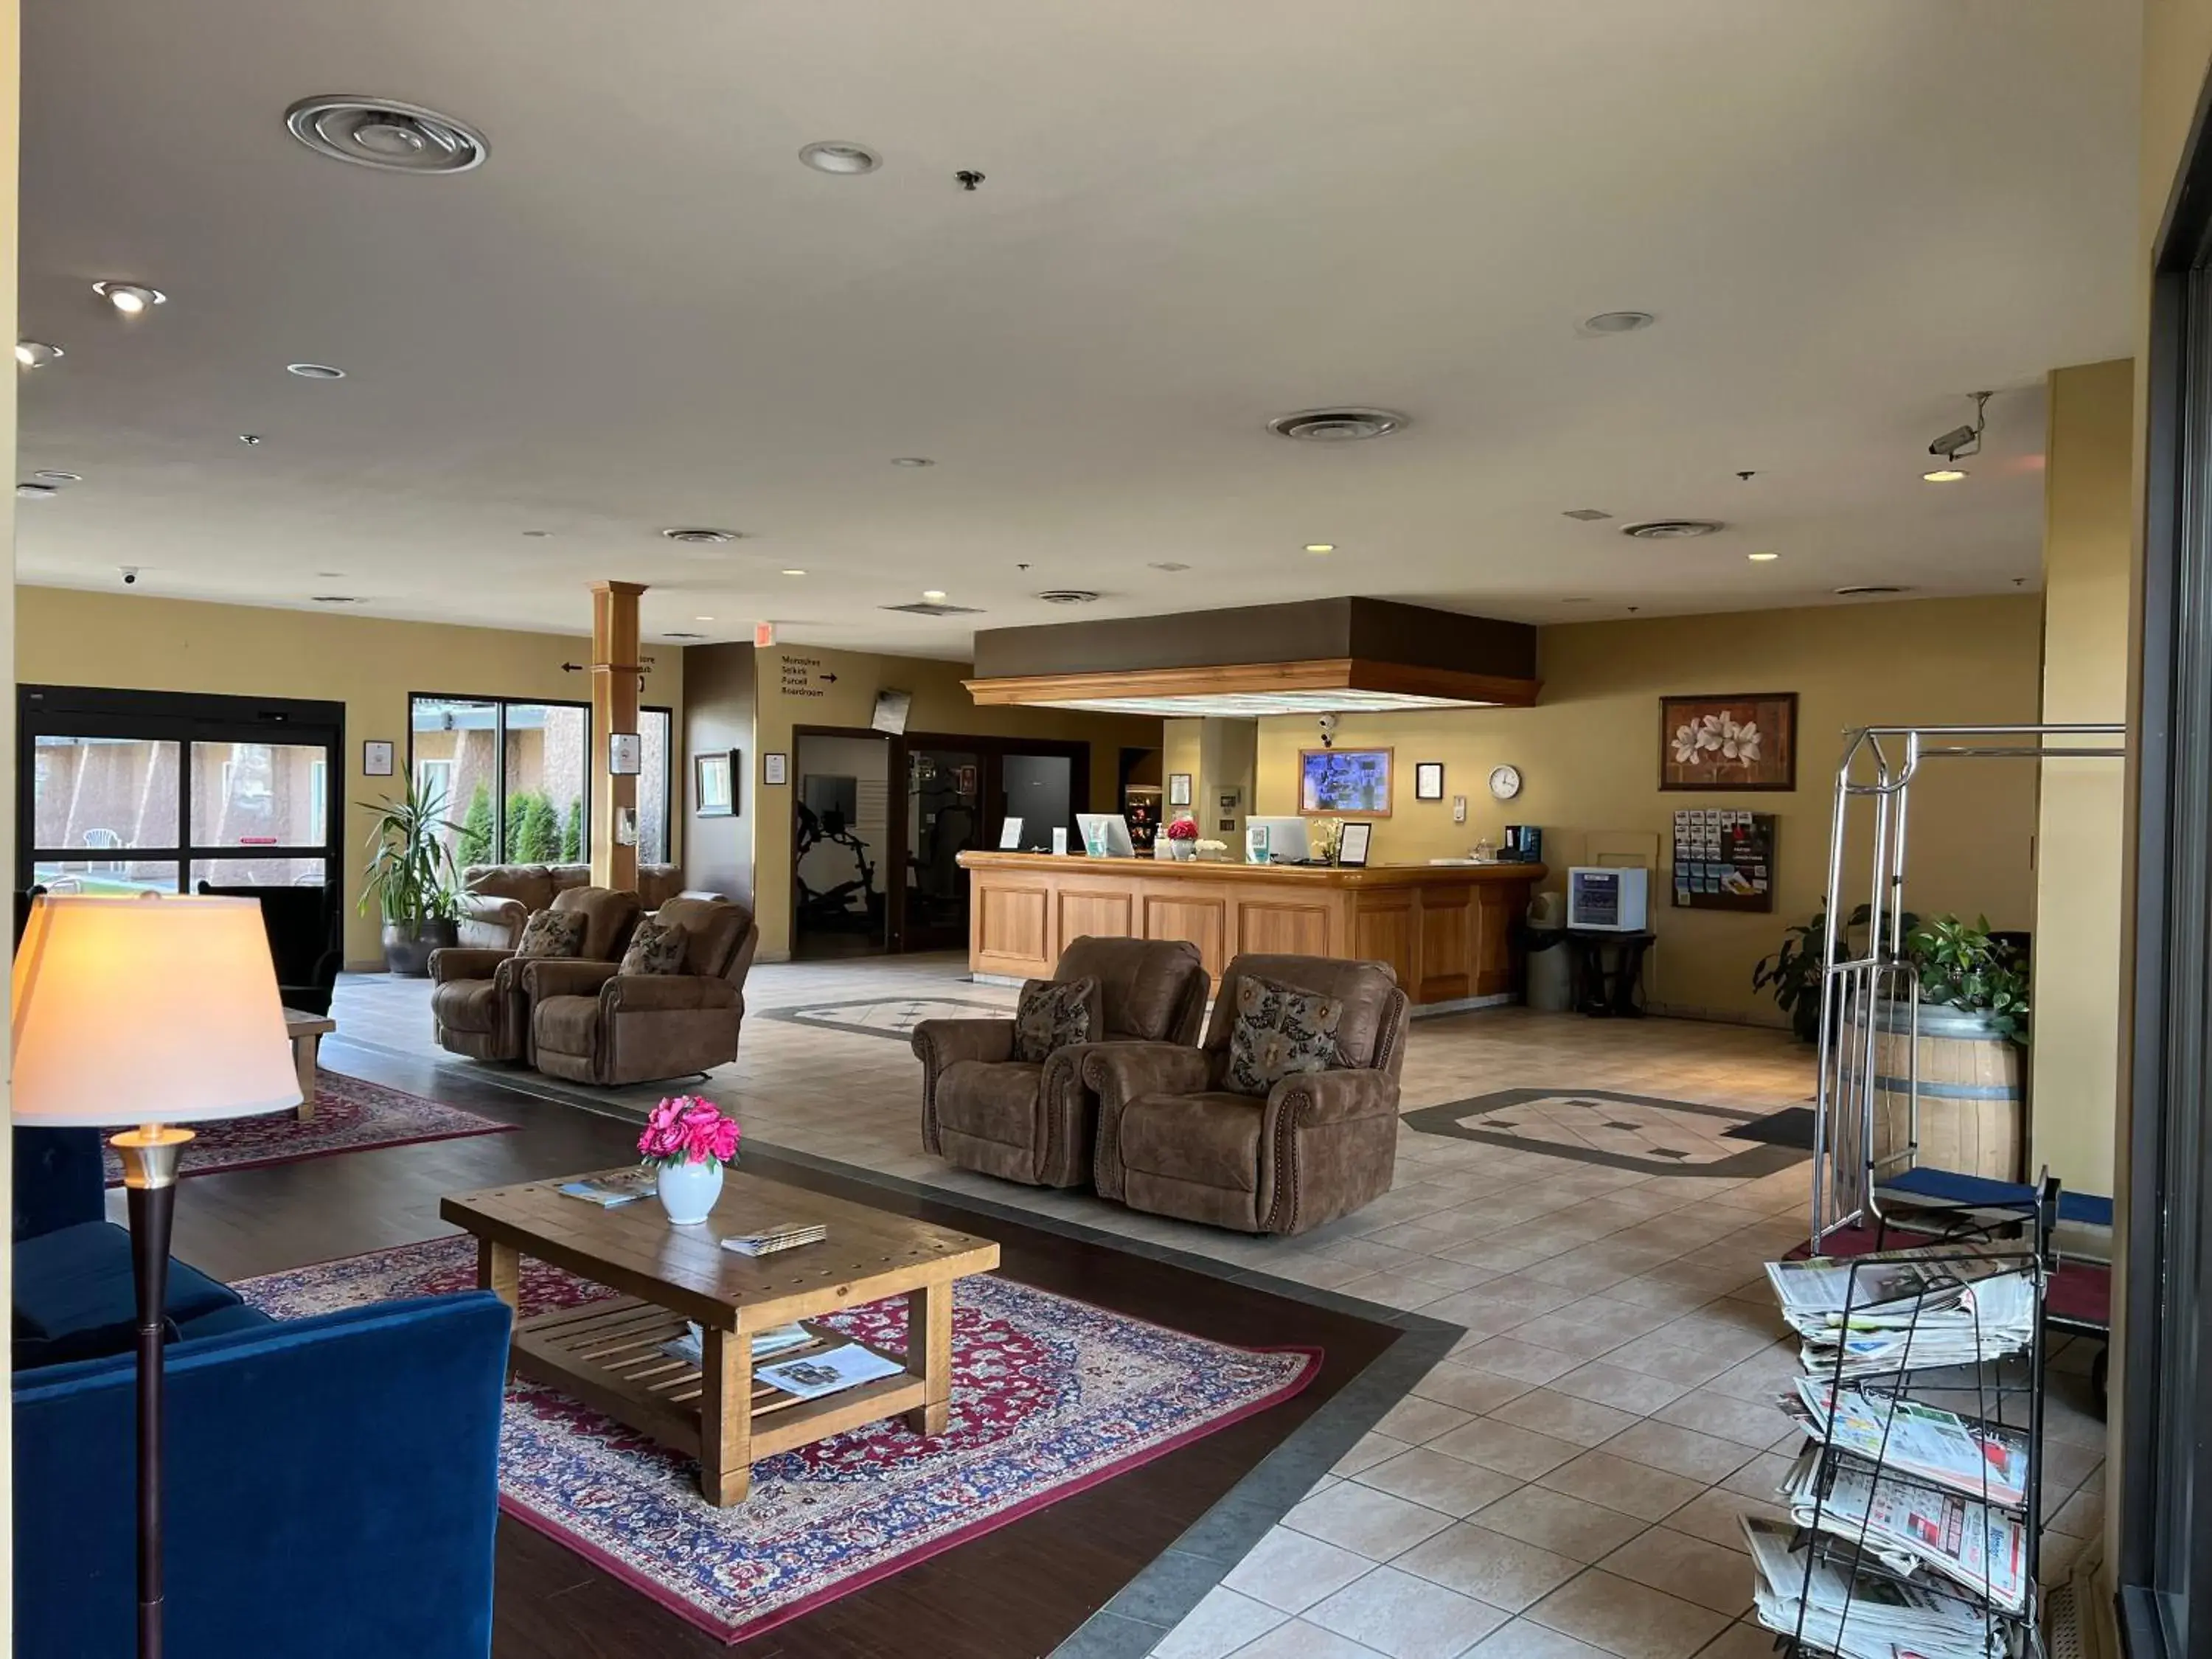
point(1749, 741)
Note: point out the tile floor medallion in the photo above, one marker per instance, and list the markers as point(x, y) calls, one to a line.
point(1621, 1131)
point(895, 1018)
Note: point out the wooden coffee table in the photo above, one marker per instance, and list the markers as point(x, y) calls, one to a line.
point(307, 1032)
point(608, 1355)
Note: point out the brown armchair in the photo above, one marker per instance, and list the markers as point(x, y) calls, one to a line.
point(479, 1006)
point(983, 1109)
point(591, 1023)
point(1175, 1140)
point(497, 899)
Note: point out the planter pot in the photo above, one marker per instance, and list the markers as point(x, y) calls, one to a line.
point(1181, 850)
point(407, 950)
point(1973, 1105)
point(688, 1191)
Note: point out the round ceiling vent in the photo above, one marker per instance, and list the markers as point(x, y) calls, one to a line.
point(36, 492)
point(1336, 425)
point(1067, 596)
point(1671, 530)
point(696, 537)
point(382, 132)
point(1868, 591)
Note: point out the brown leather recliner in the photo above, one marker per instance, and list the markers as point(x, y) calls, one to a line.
point(590, 1022)
point(1175, 1140)
point(496, 899)
point(478, 1004)
point(983, 1109)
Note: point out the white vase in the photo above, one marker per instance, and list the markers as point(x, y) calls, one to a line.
point(688, 1191)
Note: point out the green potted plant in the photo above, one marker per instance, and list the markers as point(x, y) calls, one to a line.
point(411, 880)
point(1793, 973)
point(1962, 969)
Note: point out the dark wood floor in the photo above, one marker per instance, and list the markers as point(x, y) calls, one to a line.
point(1012, 1594)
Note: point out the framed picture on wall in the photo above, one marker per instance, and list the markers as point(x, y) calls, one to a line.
point(715, 784)
point(375, 759)
point(775, 768)
point(1334, 781)
point(1746, 741)
point(1429, 780)
point(1178, 788)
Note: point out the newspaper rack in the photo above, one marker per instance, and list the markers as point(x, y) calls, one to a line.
point(1943, 1571)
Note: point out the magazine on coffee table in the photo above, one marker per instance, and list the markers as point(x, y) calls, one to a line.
point(831, 1371)
point(691, 1347)
point(624, 1186)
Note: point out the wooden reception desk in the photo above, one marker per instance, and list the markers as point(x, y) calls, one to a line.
point(1446, 928)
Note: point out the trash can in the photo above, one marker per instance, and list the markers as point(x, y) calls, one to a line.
point(1549, 985)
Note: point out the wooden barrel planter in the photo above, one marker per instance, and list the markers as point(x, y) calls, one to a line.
point(1973, 1105)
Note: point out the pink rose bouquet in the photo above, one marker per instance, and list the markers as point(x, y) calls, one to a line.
point(1183, 829)
point(689, 1129)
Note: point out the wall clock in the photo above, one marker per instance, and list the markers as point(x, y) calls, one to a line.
point(1506, 781)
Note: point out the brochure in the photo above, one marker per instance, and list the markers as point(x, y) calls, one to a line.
point(690, 1347)
point(607, 1191)
point(831, 1371)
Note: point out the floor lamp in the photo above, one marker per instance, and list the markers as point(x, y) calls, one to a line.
point(157, 1010)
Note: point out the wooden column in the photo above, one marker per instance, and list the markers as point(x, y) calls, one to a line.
point(615, 674)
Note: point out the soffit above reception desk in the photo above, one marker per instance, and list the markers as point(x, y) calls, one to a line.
point(1319, 655)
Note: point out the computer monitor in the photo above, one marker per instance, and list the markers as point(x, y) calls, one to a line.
point(1105, 835)
point(1287, 838)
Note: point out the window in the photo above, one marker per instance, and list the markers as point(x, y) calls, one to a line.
point(516, 775)
point(146, 791)
point(653, 727)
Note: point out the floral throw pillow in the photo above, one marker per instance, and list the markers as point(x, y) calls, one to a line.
point(552, 933)
point(654, 949)
point(1052, 1016)
point(1279, 1031)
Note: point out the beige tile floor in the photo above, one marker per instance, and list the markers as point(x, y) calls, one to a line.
point(1567, 1485)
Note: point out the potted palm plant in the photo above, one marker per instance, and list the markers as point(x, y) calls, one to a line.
point(412, 879)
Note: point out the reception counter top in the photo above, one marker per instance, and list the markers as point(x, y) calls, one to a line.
point(1447, 929)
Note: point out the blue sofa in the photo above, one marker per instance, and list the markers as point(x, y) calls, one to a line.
point(332, 1482)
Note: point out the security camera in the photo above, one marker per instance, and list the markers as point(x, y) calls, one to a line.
point(1327, 724)
point(1952, 441)
point(130, 576)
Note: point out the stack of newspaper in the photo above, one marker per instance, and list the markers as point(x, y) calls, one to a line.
point(1906, 1525)
point(1925, 1442)
point(1861, 1615)
point(1903, 1310)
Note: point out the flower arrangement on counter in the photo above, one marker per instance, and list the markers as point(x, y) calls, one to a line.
point(689, 1129)
point(1211, 849)
point(1182, 838)
point(1324, 836)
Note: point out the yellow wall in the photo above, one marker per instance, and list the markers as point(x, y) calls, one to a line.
point(67, 637)
point(794, 689)
point(2083, 807)
point(1588, 757)
point(10, 103)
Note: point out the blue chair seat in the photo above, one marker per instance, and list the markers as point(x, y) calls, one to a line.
point(1950, 1187)
point(74, 1298)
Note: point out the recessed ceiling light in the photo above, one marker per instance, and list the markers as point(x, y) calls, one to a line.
point(537, 535)
point(132, 299)
point(1169, 564)
point(382, 132)
point(1762, 558)
point(1868, 589)
point(1618, 322)
point(1671, 530)
point(1579, 598)
point(1069, 596)
point(703, 619)
point(1320, 547)
point(912, 460)
point(794, 573)
point(314, 371)
point(836, 155)
point(934, 595)
point(1336, 425)
point(53, 476)
point(698, 536)
point(249, 438)
point(36, 492)
point(1944, 475)
point(332, 598)
point(37, 353)
point(330, 576)
point(1587, 515)
point(677, 633)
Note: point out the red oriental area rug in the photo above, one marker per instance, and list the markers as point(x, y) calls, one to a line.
point(350, 1117)
point(1050, 1395)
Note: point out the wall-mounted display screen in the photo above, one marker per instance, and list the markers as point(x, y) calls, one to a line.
point(1345, 780)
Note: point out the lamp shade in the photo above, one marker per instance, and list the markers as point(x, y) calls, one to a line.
point(157, 1009)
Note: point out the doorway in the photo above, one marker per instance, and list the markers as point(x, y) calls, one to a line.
point(842, 845)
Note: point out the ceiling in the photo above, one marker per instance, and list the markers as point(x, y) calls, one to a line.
point(642, 312)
